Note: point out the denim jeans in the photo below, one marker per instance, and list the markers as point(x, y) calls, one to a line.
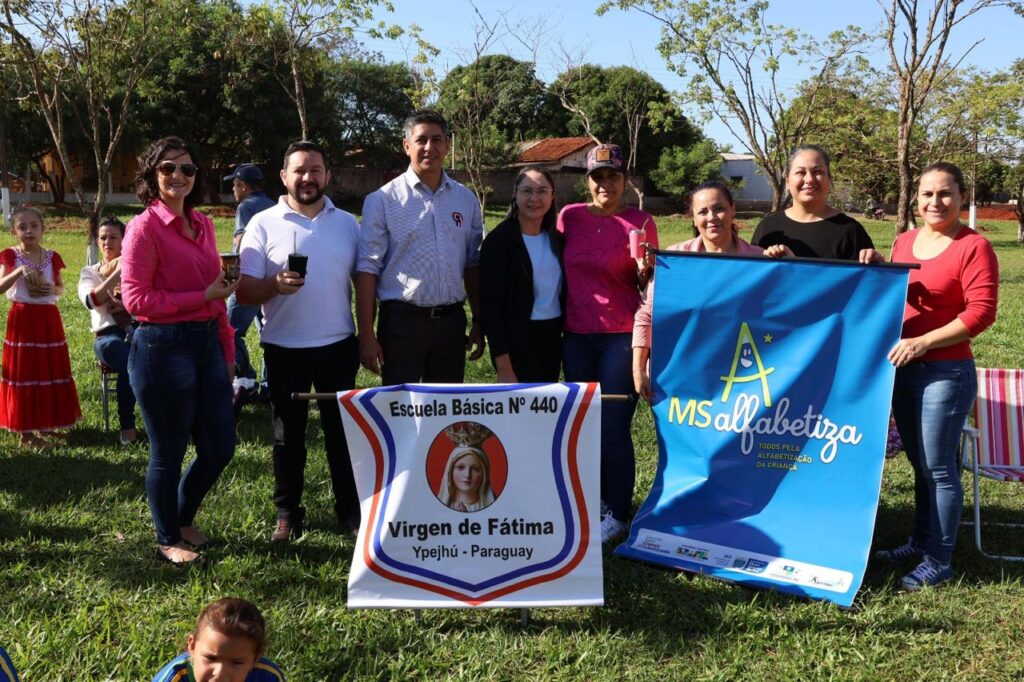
point(608, 359)
point(931, 400)
point(241, 318)
point(328, 369)
point(111, 348)
point(181, 381)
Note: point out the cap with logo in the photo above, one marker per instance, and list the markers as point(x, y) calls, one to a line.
point(605, 156)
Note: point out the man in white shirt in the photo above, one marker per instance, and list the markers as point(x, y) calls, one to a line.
point(419, 252)
point(308, 336)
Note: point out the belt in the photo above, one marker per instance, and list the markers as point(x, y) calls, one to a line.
point(190, 325)
point(432, 312)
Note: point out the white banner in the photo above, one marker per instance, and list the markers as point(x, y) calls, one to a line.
point(476, 496)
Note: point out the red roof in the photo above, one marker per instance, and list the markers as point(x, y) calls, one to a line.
point(552, 149)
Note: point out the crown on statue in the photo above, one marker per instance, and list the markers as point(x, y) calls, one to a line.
point(467, 434)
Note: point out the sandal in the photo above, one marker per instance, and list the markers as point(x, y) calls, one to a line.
point(162, 553)
point(35, 442)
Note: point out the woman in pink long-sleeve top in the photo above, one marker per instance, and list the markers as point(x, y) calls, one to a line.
point(172, 284)
point(713, 211)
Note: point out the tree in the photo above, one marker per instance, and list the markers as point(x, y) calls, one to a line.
point(852, 120)
point(29, 140)
point(371, 102)
point(507, 90)
point(298, 27)
point(618, 105)
point(917, 43)
point(84, 59)
point(680, 169)
point(469, 100)
point(734, 59)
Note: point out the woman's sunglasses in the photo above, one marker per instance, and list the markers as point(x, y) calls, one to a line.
point(167, 168)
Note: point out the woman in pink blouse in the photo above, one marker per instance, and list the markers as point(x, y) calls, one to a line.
point(172, 284)
point(603, 284)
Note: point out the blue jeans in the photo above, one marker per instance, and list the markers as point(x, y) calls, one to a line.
point(241, 318)
point(181, 381)
point(111, 348)
point(931, 401)
point(608, 360)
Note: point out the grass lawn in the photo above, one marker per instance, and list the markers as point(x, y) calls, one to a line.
point(81, 596)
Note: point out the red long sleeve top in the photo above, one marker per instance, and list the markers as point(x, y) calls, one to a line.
point(961, 282)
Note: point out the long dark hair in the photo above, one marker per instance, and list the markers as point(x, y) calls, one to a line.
point(146, 187)
point(547, 223)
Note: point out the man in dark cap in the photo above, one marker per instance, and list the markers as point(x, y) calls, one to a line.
point(247, 185)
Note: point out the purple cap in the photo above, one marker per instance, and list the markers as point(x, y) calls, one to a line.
point(247, 172)
point(605, 156)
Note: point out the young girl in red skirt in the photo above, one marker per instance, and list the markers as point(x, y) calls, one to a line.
point(37, 392)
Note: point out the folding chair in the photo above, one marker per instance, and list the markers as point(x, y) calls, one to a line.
point(994, 448)
point(108, 385)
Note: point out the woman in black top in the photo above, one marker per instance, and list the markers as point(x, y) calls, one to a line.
point(810, 227)
point(522, 284)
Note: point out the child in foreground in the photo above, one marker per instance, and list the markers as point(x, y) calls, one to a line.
point(37, 392)
point(227, 645)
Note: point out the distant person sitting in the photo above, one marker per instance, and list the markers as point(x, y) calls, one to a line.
point(228, 644)
point(7, 671)
point(247, 185)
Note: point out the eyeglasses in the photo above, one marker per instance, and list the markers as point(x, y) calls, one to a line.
point(529, 192)
point(167, 168)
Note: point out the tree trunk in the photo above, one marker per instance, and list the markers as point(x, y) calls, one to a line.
point(778, 186)
point(638, 191)
point(300, 96)
point(904, 202)
point(1019, 208)
point(50, 180)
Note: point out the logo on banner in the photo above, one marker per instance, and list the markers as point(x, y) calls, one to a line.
point(449, 515)
point(466, 467)
point(743, 415)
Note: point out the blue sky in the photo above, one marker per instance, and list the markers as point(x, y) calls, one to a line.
point(630, 38)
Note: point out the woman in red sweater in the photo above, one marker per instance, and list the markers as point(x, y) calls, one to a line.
point(951, 299)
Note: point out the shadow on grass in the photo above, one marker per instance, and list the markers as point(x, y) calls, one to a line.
point(58, 477)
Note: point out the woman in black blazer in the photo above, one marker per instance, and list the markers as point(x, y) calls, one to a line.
point(522, 284)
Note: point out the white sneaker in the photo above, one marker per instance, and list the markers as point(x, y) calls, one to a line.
point(611, 527)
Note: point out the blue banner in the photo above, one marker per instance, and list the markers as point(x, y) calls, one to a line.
point(771, 404)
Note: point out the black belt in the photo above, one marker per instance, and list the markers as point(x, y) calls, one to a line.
point(424, 311)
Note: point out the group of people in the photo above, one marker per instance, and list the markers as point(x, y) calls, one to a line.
point(556, 293)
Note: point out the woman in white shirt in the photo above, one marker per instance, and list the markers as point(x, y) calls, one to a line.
point(99, 288)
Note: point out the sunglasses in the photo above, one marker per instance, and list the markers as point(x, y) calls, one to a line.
point(167, 168)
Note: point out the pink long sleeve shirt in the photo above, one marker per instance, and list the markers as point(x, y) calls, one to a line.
point(164, 273)
point(602, 286)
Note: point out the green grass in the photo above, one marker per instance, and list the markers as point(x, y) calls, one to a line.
point(82, 598)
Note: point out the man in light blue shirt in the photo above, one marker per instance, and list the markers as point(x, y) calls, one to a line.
point(419, 252)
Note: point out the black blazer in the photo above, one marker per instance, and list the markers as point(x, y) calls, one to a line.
point(506, 285)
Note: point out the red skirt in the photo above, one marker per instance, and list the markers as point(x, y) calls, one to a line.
point(37, 392)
